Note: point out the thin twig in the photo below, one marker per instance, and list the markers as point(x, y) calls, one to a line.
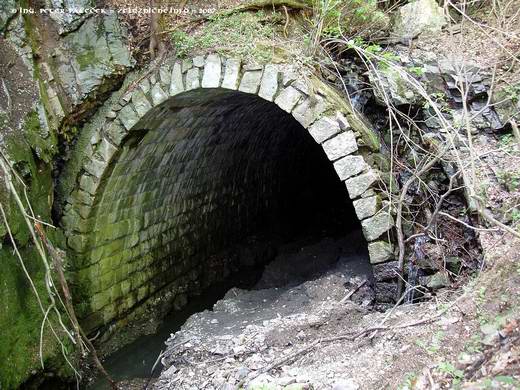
point(466, 224)
point(351, 292)
point(351, 336)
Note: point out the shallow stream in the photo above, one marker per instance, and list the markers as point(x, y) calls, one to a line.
point(136, 359)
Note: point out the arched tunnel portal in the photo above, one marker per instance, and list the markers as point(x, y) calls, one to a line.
point(188, 163)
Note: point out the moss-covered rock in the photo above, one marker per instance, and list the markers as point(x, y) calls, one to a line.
point(417, 17)
point(21, 319)
point(7, 10)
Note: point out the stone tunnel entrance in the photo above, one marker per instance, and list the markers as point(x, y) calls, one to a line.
point(203, 166)
point(197, 175)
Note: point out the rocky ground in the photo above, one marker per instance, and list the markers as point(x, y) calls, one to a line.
point(297, 334)
point(309, 337)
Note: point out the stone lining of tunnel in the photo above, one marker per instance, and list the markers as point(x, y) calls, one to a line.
point(115, 288)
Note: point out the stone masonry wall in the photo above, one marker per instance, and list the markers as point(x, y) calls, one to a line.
point(194, 180)
point(116, 194)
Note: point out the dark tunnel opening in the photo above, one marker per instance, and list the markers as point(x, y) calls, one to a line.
point(210, 186)
point(222, 189)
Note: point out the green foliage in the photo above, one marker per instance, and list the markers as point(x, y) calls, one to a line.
point(383, 58)
point(349, 18)
point(453, 373)
point(508, 143)
point(515, 216)
point(498, 382)
point(508, 380)
point(182, 43)
point(474, 345)
point(440, 100)
point(416, 70)
point(246, 35)
point(513, 92)
point(409, 381)
point(434, 346)
point(509, 179)
point(330, 12)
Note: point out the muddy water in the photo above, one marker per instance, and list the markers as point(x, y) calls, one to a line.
point(136, 359)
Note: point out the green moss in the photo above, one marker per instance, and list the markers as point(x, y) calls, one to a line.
point(20, 315)
point(43, 142)
point(367, 136)
point(3, 119)
point(36, 175)
point(20, 321)
point(86, 58)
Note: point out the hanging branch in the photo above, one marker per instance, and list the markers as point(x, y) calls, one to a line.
point(398, 225)
point(45, 312)
point(57, 259)
point(39, 239)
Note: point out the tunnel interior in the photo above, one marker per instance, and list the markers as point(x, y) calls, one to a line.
point(201, 173)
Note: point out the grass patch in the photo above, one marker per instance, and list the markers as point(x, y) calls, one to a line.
point(248, 36)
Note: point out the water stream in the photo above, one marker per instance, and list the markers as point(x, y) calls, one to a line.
point(136, 359)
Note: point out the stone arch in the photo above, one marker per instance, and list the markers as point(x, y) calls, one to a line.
point(342, 134)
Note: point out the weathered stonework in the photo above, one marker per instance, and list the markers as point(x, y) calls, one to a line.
point(341, 145)
point(232, 74)
point(359, 184)
point(375, 226)
point(192, 79)
point(309, 110)
point(349, 166)
point(212, 69)
point(367, 207)
point(158, 95)
point(141, 103)
point(250, 82)
point(126, 226)
point(288, 98)
point(380, 251)
point(177, 84)
point(323, 129)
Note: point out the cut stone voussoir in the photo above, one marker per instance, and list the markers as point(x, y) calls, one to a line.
point(212, 70)
point(128, 117)
point(375, 226)
point(231, 74)
point(288, 98)
point(176, 84)
point(380, 251)
point(269, 84)
point(366, 207)
point(250, 81)
point(323, 129)
point(341, 145)
point(357, 185)
point(349, 166)
point(141, 103)
point(192, 79)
